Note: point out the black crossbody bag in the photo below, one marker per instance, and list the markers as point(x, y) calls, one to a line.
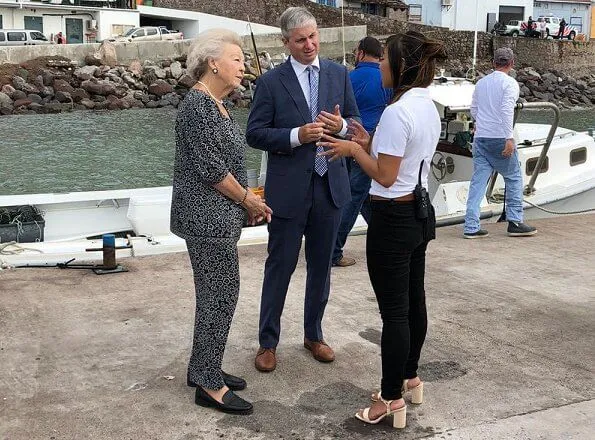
point(424, 211)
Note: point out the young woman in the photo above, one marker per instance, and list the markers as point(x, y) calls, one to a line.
point(398, 159)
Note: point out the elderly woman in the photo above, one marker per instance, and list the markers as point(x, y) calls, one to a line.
point(209, 200)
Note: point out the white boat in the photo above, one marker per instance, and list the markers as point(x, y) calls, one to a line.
point(565, 183)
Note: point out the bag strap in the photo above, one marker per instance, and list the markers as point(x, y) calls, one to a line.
point(421, 166)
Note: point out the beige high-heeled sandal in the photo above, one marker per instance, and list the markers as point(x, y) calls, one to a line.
point(398, 415)
point(417, 393)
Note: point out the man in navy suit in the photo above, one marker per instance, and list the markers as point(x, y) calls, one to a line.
point(294, 104)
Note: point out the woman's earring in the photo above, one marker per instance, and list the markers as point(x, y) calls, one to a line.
point(215, 70)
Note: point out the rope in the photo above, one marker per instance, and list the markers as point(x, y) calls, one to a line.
point(18, 249)
point(549, 211)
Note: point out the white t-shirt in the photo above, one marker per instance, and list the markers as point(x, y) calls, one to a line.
point(409, 128)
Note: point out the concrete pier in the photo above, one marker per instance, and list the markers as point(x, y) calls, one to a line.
point(510, 351)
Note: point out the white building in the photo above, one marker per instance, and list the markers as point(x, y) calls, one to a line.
point(80, 24)
point(90, 24)
point(463, 14)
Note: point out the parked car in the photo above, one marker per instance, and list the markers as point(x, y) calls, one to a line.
point(553, 28)
point(148, 33)
point(513, 28)
point(22, 37)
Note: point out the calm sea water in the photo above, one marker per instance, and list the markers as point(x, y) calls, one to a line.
point(87, 151)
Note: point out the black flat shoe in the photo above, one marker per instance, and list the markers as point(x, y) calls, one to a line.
point(234, 383)
point(232, 403)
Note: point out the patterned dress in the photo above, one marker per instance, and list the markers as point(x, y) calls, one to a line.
point(208, 147)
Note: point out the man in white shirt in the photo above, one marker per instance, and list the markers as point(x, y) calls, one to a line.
point(492, 107)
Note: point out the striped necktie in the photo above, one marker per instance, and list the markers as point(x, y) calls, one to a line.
point(320, 163)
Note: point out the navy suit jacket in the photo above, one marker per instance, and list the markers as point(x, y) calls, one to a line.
point(279, 105)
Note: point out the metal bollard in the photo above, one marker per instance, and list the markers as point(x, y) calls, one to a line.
point(109, 252)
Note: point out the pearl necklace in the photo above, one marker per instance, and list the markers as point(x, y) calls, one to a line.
point(218, 101)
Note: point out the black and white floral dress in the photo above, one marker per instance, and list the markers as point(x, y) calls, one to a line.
point(208, 147)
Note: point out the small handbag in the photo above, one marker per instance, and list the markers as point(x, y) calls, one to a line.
point(424, 211)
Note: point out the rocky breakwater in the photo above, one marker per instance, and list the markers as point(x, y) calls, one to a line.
point(59, 85)
point(557, 87)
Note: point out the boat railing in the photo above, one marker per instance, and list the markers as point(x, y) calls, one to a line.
point(530, 188)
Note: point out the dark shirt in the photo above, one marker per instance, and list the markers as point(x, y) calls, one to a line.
point(208, 147)
point(370, 96)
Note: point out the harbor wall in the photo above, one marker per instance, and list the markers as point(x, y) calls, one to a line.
point(330, 41)
point(569, 58)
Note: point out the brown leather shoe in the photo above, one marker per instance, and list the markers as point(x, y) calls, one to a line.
point(265, 361)
point(344, 262)
point(320, 350)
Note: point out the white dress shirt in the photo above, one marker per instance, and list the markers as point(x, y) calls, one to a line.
point(410, 129)
point(302, 75)
point(492, 107)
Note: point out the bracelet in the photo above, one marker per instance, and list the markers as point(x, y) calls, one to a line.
point(243, 198)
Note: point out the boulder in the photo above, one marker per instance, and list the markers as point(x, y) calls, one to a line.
point(18, 82)
point(549, 77)
point(21, 103)
point(160, 88)
point(61, 85)
point(18, 94)
point(92, 60)
point(86, 72)
point(36, 107)
point(155, 70)
point(107, 54)
point(38, 81)
point(63, 97)
point(5, 100)
point(136, 68)
point(88, 103)
point(54, 107)
point(532, 73)
point(35, 98)
point(48, 77)
point(79, 95)
point(7, 89)
point(581, 85)
point(176, 69)
point(46, 91)
point(187, 81)
point(100, 87)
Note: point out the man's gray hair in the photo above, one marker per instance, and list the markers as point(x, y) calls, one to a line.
point(294, 18)
point(208, 46)
point(503, 57)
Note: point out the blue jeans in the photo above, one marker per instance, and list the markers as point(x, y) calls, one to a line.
point(360, 189)
point(487, 156)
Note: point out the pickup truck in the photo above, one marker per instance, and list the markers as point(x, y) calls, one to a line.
point(148, 33)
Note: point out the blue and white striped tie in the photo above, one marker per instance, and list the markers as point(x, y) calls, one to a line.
point(320, 164)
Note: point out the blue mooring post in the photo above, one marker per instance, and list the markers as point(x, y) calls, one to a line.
point(109, 252)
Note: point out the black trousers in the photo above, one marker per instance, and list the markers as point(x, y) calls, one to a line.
point(396, 254)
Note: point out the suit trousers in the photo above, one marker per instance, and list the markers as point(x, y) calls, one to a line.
point(318, 222)
point(396, 254)
point(217, 284)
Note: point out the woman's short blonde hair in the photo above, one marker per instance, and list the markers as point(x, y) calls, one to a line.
point(208, 46)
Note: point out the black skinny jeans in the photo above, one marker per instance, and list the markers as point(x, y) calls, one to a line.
point(396, 253)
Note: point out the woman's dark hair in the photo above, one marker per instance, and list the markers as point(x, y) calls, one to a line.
point(412, 58)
